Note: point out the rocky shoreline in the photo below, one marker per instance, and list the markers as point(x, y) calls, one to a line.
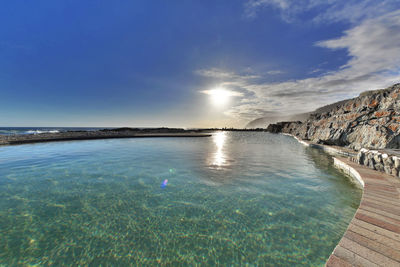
point(371, 120)
point(366, 127)
point(99, 134)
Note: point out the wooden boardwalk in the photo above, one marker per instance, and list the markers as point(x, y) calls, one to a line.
point(373, 236)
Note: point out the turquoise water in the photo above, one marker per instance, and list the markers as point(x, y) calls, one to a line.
point(231, 199)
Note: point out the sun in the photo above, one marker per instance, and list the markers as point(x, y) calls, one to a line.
point(220, 96)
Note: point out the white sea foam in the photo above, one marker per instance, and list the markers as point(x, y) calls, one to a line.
point(41, 131)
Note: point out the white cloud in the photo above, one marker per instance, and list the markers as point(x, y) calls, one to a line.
point(352, 11)
point(315, 71)
point(218, 73)
point(219, 90)
point(275, 72)
point(252, 6)
point(374, 50)
point(374, 45)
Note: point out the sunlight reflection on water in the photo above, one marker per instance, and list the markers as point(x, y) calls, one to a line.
point(219, 156)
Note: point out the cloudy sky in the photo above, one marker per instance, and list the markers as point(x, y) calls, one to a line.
point(189, 63)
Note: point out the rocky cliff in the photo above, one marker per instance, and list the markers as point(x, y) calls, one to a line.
point(371, 120)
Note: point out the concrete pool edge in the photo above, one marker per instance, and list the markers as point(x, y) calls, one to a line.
point(349, 171)
point(373, 235)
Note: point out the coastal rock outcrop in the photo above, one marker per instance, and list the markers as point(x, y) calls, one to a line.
point(371, 120)
point(283, 126)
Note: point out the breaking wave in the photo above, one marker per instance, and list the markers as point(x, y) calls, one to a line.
point(41, 131)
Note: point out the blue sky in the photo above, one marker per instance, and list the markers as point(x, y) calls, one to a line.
point(150, 63)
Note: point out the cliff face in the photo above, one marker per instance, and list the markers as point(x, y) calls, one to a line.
point(371, 120)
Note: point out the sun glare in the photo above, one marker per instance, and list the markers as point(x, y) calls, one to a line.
point(220, 96)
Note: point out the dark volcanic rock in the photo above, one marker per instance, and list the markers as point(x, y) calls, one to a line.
point(275, 128)
point(371, 120)
point(283, 126)
point(123, 129)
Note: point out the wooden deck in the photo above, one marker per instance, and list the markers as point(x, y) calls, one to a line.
point(373, 236)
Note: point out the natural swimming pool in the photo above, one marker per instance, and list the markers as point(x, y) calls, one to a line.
point(230, 199)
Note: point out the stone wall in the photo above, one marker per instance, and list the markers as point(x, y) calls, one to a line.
point(379, 161)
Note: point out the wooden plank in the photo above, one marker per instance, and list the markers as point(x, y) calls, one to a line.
point(379, 196)
point(389, 187)
point(382, 207)
point(376, 229)
point(382, 203)
point(352, 258)
point(370, 197)
point(335, 261)
point(368, 174)
point(378, 222)
point(376, 181)
point(380, 212)
point(372, 194)
point(375, 246)
point(375, 236)
point(379, 217)
point(383, 193)
point(367, 253)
